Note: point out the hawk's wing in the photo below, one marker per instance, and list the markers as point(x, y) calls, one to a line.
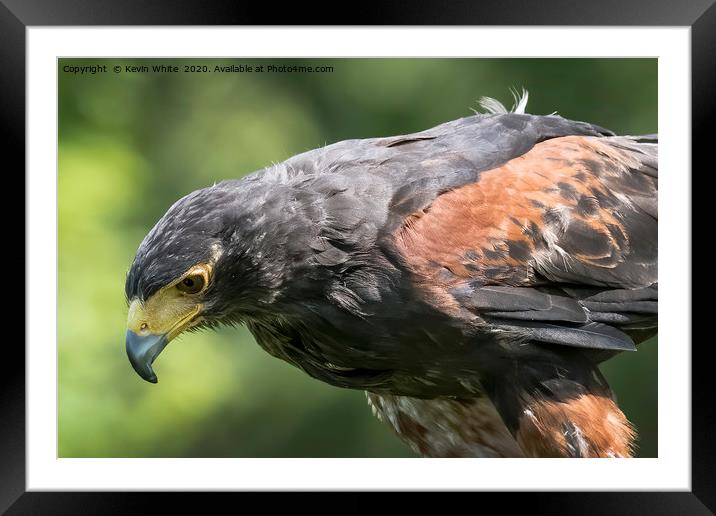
point(553, 251)
point(559, 244)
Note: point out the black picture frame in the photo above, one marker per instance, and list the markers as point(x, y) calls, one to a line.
point(17, 15)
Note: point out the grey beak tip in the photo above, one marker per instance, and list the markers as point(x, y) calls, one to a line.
point(142, 350)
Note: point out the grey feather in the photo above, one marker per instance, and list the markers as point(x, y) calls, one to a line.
point(591, 335)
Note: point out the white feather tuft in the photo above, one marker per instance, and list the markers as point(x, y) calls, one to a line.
point(495, 107)
point(520, 101)
point(492, 106)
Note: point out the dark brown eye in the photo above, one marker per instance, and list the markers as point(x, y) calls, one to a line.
point(191, 284)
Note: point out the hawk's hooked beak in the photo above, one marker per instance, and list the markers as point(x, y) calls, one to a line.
point(153, 324)
point(142, 350)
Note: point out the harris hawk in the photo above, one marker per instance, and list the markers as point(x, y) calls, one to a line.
point(470, 277)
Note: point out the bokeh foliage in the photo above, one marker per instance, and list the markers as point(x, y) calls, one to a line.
point(130, 144)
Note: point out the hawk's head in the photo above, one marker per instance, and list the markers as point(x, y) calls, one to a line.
point(189, 272)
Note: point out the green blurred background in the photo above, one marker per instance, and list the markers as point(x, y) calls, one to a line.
point(130, 144)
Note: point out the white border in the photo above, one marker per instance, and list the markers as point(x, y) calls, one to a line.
point(670, 471)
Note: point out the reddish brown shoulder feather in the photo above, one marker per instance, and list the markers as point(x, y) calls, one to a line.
point(497, 228)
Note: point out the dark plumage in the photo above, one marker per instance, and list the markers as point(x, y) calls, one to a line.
point(492, 260)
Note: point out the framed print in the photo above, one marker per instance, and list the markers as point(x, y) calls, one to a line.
point(132, 118)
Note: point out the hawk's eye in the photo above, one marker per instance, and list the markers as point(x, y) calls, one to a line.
point(191, 284)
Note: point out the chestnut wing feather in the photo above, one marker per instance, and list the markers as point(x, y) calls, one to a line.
point(559, 244)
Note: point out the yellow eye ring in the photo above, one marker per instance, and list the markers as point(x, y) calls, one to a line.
point(192, 284)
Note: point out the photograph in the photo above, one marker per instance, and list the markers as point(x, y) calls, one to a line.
point(357, 257)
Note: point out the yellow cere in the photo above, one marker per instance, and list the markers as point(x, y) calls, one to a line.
point(170, 311)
